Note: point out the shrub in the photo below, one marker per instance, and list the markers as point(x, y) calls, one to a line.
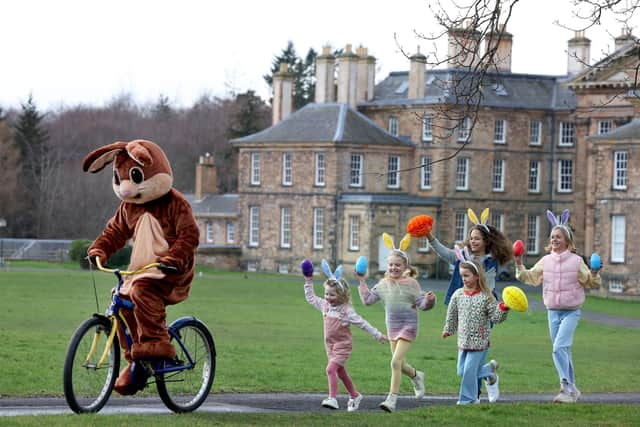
point(78, 252)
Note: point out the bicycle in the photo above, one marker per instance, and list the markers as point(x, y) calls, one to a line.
point(92, 362)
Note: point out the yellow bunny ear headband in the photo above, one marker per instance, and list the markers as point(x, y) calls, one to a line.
point(404, 244)
point(483, 218)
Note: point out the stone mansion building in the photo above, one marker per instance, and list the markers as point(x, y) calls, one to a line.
point(327, 180)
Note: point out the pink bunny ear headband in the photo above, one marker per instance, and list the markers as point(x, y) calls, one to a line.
point(465, 256)
point(560, 221)
point(483, 218)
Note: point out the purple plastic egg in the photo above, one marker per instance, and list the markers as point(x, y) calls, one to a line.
point(307, 268)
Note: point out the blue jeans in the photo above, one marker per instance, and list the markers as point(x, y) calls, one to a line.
point(471, 368)
point(562, 326)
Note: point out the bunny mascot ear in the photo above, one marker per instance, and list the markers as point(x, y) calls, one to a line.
point(405, 242)
point(388, 241)
point(565, 217)
point(96, 160)
point(326, 269)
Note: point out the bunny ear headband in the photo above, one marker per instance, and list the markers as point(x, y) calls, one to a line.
point(404, 244)
point(465, 256)
point(333, 276)
point(561, 221)
point(483, 218)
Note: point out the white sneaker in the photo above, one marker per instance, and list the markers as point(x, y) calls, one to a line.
point(493, 391)
point(418, 384)
point(389, 404)
point(354, 403)
point(331, 403)
point(564, 397)
point(575, 394)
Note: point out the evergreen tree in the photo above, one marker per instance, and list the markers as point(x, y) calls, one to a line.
point(251, 115)
point(303, 70)
point(30, 139)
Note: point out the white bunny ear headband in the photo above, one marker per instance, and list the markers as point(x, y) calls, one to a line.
point(560, 221)
point(334, 276)
point(404, 244)
point(483, 218)
point(465, 256)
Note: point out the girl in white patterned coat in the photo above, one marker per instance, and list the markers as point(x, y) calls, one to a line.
point(469, 314)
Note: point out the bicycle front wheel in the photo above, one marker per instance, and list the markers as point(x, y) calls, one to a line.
point(186, 390)
point(87, 386)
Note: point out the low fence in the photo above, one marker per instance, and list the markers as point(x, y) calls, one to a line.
point(34, 249)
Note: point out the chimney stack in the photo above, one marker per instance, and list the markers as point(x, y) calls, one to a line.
point(417, 75)
point(625, 38)
point(365, 78)
point(502, 42)
point(347, 74)
point(206, 176)
point(464, 47)
point(578, 53)
point(325, 79)
point(282, 94)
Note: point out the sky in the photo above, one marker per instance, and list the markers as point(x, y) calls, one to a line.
point(70, 52)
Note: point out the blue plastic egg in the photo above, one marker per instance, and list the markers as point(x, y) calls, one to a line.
point(361, 265)
point(596, 262)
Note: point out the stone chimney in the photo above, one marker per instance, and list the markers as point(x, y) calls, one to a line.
point(325, 76)
point(464, 47)
point(206, 176)
point(347, 75)
point(625, 38)
point(282, 94)
point(502, 42)
point(578, 53)
point(365, 77)
point(417, 75)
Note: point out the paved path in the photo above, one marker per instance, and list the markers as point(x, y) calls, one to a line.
point(275, 402)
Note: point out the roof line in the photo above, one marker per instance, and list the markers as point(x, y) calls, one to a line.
point(340, 125)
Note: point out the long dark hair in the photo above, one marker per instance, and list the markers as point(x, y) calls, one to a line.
point(496, 243)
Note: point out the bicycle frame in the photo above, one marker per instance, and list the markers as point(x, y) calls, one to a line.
point(114, 317)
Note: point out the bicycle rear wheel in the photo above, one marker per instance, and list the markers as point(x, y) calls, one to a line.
point(186, 390)
point(87, 387)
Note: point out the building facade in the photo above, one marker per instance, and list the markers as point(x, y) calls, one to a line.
point(327, 180)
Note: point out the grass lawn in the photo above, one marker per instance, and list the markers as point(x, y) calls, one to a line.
point(269, 339)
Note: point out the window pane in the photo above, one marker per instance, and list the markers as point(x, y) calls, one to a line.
point(462, 173)
point(254, 225)
point(356, 170)
point(535, 133)
point(427, 129)
point(620, 163)
point(498, 175)
point(461, 226)
point(392, 175)
point(354, 233)
point(565, 176)
point(617, 238)
point(286, 169)
point(320, 168)
point(425, 172)
point(532, 234)
point(534, 176)
point(318, 228)
point(255, 168)
point(285, 227)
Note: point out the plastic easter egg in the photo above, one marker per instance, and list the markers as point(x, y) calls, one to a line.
point(518, 248)
point(595, 261)
point(515, 299)
point(361, 265)
point(307, 268)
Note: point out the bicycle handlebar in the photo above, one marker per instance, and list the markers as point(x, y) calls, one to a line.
point(126, 272)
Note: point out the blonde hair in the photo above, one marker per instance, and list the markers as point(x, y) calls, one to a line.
point(477, 270)
point(342, 289)
point(410, 271)
point(567, 237)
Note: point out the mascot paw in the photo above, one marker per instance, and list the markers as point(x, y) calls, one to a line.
point(153, 350)
point(126, 385)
